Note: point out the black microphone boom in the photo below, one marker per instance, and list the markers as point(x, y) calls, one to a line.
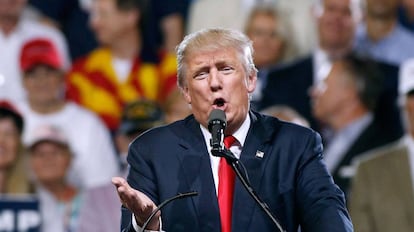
point(159, 207)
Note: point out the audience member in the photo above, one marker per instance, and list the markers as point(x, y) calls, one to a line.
point(43, 79)
point(381, 36)
point(50, 159)
point(382, 193)
point(166, 23)
point(406, 14)
point(216, 71)
point(64, 207)
point(289, 85)
point(285, 113)
point(345, 101)
point(137, 117)
point(175, 107)
point(71, 17)
point(123, 69)
point(100, 210)
point(268, 30)
point(234, 14)
point(15, 30)
point(13, 174)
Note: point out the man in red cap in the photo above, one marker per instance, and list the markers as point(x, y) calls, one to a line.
point(40, 51)
point(43, 79)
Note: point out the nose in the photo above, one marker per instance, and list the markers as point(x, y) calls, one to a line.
point(215, 80)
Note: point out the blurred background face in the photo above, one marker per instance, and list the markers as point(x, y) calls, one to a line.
point(43, 84)
point(9, 142)
point(11, 9)
point(336, 24)
point(50, 162)
point(332, 94)
point(268, 45)
point(109, 23)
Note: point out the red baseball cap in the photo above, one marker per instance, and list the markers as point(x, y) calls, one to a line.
point(40, 51)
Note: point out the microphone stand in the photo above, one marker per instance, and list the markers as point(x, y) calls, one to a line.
point(235, 164)
point(160, 206)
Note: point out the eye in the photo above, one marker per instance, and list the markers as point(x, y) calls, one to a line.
point(227, 70)
point(201, 75)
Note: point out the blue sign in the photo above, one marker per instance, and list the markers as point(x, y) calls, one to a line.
point(19, 214)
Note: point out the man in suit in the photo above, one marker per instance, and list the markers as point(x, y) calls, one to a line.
point(345, 101)
point(382, 196)
point(289, 84)
point(283, 160)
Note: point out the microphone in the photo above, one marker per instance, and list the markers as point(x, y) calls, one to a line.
point(216, 125)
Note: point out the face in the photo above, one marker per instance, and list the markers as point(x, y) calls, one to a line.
point(267, 43)
point(109, 23)
point(50, 162)
point(43, 84)
point(217, 80)
point(9, 142)
point(11, 8)
point(336, 24)
point(333, 94)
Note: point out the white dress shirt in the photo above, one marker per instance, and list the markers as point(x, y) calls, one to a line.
point(322, 65)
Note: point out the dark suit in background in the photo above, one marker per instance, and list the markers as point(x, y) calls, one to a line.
point(291, 178)
point(373, 136)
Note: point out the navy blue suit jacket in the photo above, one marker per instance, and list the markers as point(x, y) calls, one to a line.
point(291, 178)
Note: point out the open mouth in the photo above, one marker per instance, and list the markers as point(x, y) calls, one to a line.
point(219, 102)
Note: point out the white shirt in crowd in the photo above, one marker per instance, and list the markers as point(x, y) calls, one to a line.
point(95, 160)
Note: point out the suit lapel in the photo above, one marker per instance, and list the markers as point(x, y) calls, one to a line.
point(243, 205)
point(196, 169)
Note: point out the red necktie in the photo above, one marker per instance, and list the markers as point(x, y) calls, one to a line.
point(226, 188)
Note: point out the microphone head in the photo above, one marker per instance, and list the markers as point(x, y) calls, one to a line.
point(217, 117)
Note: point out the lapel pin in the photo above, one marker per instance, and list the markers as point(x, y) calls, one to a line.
point(259, 154)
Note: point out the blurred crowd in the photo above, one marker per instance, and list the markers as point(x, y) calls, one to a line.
point(80, 79)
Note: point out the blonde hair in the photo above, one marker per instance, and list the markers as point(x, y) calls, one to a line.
point(17, 181)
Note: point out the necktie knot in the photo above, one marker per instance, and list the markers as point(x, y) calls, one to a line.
point(229, 140)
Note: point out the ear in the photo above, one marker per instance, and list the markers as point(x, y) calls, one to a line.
point(251, 82)
point(186, 94)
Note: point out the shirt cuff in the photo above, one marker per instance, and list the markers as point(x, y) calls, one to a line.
point(139, 229)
